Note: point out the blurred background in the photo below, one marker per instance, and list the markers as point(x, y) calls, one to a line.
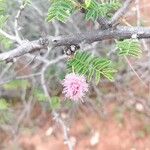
point(115, 115)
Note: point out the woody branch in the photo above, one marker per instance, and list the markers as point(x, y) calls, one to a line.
point(120, 32)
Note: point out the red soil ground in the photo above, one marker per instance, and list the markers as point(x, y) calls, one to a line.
point(120, 130)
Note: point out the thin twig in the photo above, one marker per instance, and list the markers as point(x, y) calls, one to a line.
point(65, 130)
point(21, 8)
point(127, 60)
point(36, 74)
point(121, 11)
point(11, 37)
point(55, 114)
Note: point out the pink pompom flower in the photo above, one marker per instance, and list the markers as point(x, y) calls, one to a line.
point(75, 86)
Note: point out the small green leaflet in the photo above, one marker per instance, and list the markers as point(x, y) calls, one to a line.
point(60, 10)
point(55, 103)
point(92, 67)
point(105, 9)
point(16, 84)
point(2, 7)
point(39, 95)
point(3, 104)
point(87, 3)
point(129, 47)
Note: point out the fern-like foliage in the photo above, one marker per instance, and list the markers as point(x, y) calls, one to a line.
point(129, 47)
point(87, 3)
point(55, 103)
point(39, 95)
point(95, 9)
point(2, 7)
point(92, 67)
point(3, 16)
point(4, 42)
point(16, 84)
point(3, 104)
point(3, 20)
point(6, 115)
point(60, 10)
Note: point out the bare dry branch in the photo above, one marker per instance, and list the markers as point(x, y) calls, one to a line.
point(121, 32)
